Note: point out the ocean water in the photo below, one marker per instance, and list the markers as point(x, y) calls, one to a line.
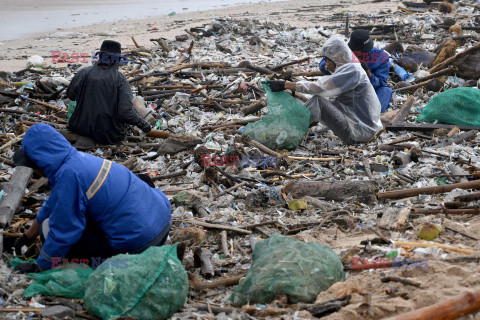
point(19, 18)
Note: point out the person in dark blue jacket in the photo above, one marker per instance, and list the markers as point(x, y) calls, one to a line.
point(374, 62)
point(96, 208)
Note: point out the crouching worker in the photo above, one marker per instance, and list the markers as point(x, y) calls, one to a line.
point(344, 101)
point(96, 208)
point(104, 99)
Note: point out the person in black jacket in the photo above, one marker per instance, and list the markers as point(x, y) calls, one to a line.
point(104, 99)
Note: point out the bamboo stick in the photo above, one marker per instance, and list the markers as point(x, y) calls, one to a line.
point(432, 244)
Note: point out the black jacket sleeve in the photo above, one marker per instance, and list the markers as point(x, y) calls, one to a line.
point(126, 113)
point(73, 89)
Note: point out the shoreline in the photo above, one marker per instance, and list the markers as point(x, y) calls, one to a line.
point(301, 13)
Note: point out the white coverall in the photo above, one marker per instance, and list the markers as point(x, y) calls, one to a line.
point(344, 101)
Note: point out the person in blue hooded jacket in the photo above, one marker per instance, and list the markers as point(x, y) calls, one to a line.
point(374, 62)
point(96, 208)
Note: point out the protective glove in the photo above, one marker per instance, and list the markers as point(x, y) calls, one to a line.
point(27, 242)
point(27, 267)
point(146, 127)
point(277, 85)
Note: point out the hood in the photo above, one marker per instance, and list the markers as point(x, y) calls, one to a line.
point(46, 148)
point(337, 50)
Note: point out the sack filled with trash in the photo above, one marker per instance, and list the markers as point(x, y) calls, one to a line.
point(283, 265)
point(150, 285)
point(285, 124)
point(67, 280)
point(460, 106)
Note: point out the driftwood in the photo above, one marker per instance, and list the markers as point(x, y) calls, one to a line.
point(455, 58)
point(405, 281)
point(254, 107)
point(468, 197)
point(218, 226)
point(15, 190)
point(203, 259)
point(222, 282)
point(445, 310)
point(406, 126)
point(326, 308)
point(428, 190)
point(364, 191)
point(432, 244)
point(224, 241)
point(404, 111)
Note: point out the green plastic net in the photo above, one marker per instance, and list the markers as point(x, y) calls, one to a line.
point(283, 265)
point(68, 282)
point(150, 285)
point(460, 106)
point(285, 124)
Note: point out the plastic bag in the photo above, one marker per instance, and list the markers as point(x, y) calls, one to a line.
point(68, 282)
point(283, 265)
point(460, 106)
point(285, 124)
point(150, 285)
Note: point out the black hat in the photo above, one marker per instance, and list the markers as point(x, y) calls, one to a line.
point(111, 46)
point(360, 41)
point(21, 159)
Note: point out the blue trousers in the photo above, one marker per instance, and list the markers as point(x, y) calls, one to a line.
point(384, 94)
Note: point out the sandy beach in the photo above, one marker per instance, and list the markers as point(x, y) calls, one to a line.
point(14, 53)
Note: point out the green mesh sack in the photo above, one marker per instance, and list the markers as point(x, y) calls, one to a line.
point(460, 106)
point(68, 282)
point(150, 285)
point(283, 265)
point(285, 124)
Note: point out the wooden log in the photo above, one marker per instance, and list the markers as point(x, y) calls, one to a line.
point(404, 111)
point(323, 309)
point(456, 57)
point(437, 74)
point(445, 310)
point(224, 241)
point(230, 189)
point(412, 87)
point(204, 257)
point(405, 281)
point(261, 147)
point(468, 197)
point(158, 134)
point(45, 104)
point(254, 107)
point(215, 309)
point(407, 126)
point(363, 191)
point(281, 66)
point(199, 65)
point(432, 244)
point(447, 211)
point(223, 282)
point(15, 190)
point(218, 226)
point(428, 190)
point(170, 175)
point(249, 65)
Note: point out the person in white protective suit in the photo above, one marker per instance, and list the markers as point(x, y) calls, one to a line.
point(344, 101)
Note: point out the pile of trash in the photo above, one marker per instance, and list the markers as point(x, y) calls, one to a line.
point(395, 217)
